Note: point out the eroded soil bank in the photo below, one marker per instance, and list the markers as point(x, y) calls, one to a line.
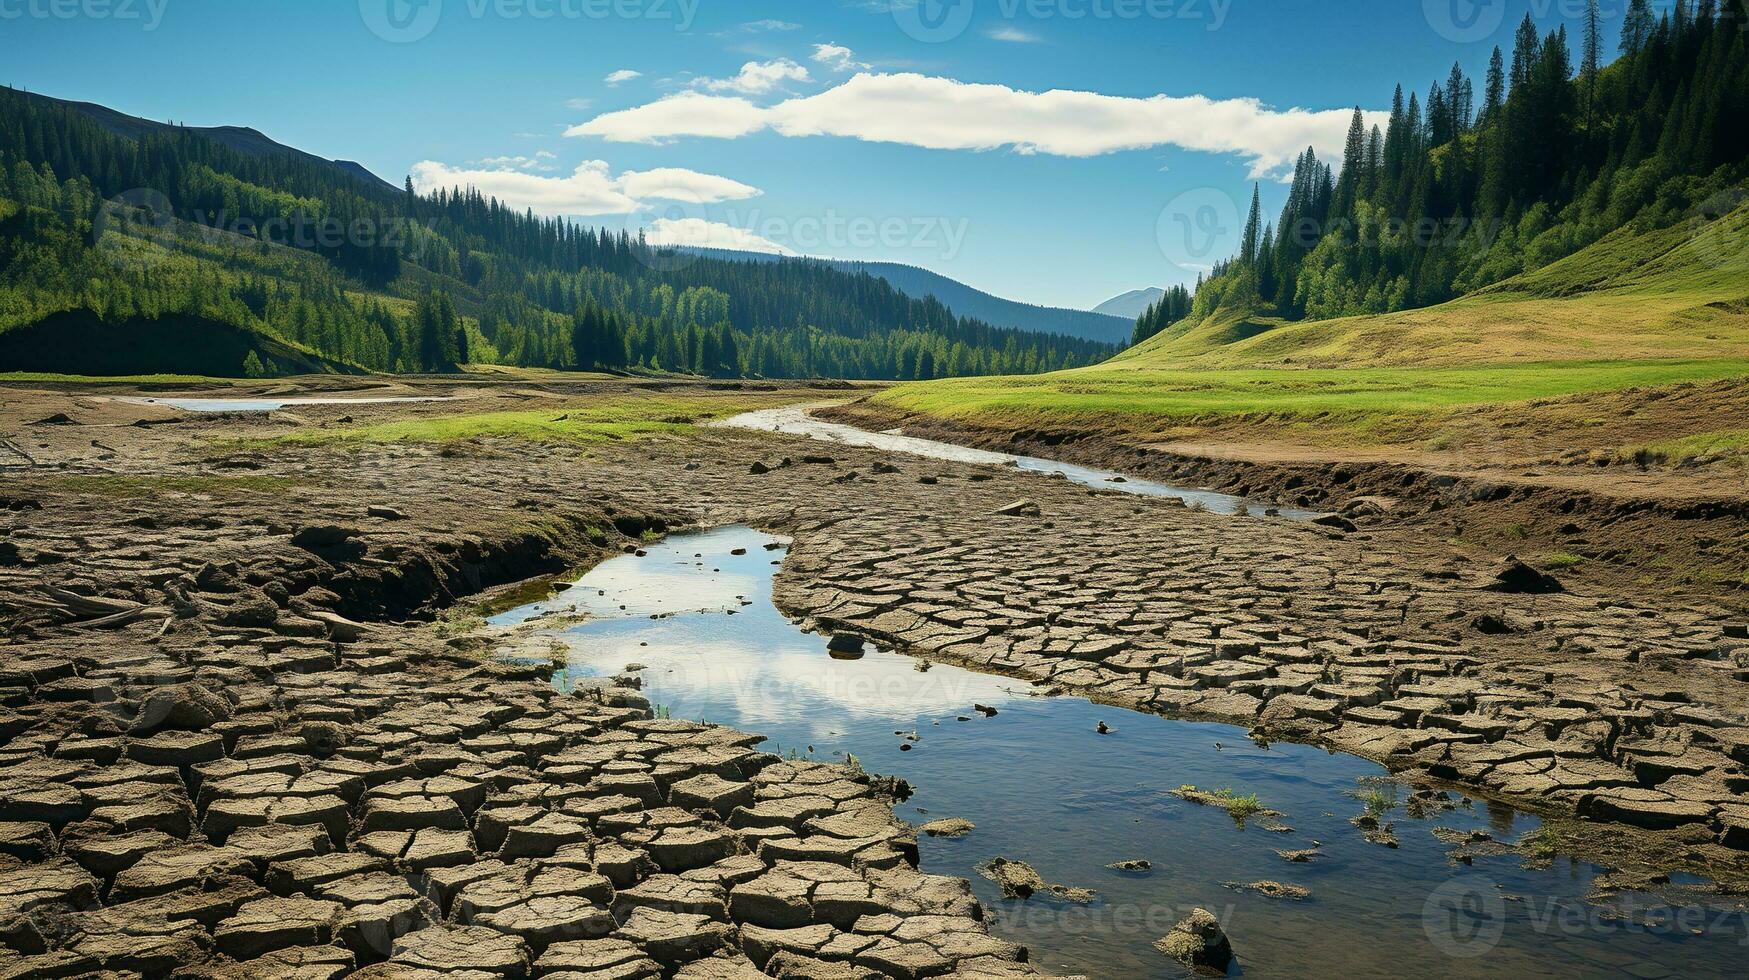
point(146, 552)
point(1607, 524)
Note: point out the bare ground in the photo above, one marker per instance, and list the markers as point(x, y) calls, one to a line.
point(143, 562)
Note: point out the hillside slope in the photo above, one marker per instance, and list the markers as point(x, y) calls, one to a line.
point(1637, 310)
point(250, 142)
point(1676, 292)
point(965, 300)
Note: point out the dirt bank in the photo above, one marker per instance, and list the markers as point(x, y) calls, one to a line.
point(1601, 528)
point(149, 569)
point(210, 767)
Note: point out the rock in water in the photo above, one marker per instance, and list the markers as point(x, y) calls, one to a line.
point(949, 827)
point(845, 643)
point(1020, 508)
point(1520, 579)
point(1198, 943)
point(1017, 878)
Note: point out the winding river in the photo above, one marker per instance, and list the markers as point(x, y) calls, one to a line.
point(795, 420)
point(1041, 784)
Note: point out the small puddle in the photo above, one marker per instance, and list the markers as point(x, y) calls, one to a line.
point(269, 404)
point(1044, 787)
point(795, 420)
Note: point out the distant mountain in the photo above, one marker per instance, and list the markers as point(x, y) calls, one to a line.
point(250, 142)
point(1131, 304)
point(963, 299)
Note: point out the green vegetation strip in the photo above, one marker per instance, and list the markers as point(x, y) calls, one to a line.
point(12, 377)
point(1124, 397)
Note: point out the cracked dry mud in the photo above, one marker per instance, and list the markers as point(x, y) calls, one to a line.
point(229, 754)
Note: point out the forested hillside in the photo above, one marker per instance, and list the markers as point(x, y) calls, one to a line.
point(1485, 180)
point(175, 226)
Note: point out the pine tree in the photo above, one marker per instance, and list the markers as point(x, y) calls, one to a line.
point(1494, 98)
point(1636, 27)
point(1353, 163)
point(1253, 226)
point(1592, 61)
point(1525, 47)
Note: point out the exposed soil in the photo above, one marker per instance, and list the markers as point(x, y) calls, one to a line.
point(1593, 519)
point(232, 741)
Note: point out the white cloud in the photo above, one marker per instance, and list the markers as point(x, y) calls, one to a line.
point(763, 26)
point(518, 162)
point(946, 114)
point(700, 233)
point(622, 75)
point(1012, 34)
point(579, 103)
point(757, 77)
point(590, 189)
point(837, 57)
point(677, 184)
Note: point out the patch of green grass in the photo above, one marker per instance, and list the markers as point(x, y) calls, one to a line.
point(1541, 843)
point(615, 419)
point(106, 485)
point(1378, 801)
point(1518, 531)
point(1558, 560)
point(1125, 396)
point(1240, 808)
point(1726, 442)
point(9, 377)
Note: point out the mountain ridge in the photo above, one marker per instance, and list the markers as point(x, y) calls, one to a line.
point(963, 299)
point(1131, 304)
point(243, 139)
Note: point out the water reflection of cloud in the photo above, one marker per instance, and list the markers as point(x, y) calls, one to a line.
point(753, 680)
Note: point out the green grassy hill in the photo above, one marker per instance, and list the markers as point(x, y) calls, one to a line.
point(1677, 292)
point(1636, 310)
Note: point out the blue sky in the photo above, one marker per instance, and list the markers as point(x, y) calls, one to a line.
point(835, 127)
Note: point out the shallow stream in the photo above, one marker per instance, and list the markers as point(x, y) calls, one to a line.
point(795, 420)
point(1041, 785)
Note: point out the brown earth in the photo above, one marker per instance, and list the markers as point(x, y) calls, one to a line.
point(1545, 482)
point(235, 744)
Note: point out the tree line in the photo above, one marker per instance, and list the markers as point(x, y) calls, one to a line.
point(1479, 182)
point(175, 223)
